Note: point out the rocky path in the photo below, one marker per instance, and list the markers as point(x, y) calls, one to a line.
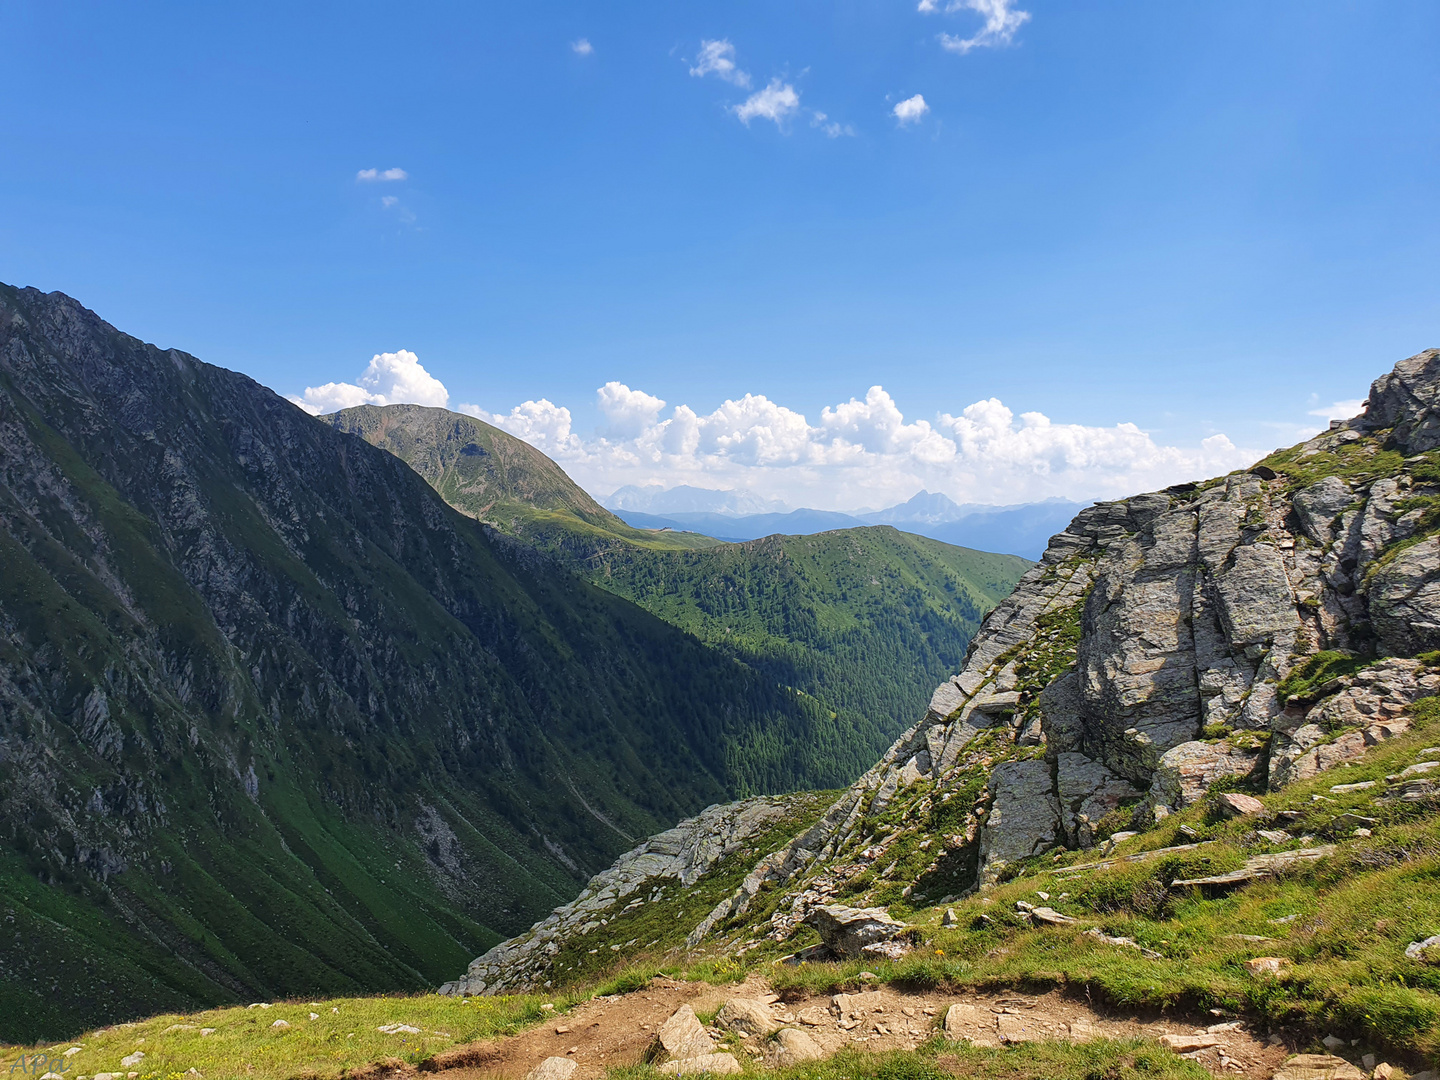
point(621, 1030)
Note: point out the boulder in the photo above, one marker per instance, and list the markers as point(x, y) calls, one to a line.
point(553, 1068)
point(1186, 1044)
point(1185, 772)
point(1317, 1067)
point(683, 1036)
point(746, 1016)
point(1266, 965)
point(1232, 804)
point(720, 1064)
point(846, 930)
point(790, 1047)
point(960, 1020)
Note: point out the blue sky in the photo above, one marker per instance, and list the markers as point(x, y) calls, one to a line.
point(1154, 224)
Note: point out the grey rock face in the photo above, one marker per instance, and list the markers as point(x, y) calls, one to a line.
point(1407, 400)
point(1405, 599)
point(849, 931)
point(679, 855)
point(1024, 817)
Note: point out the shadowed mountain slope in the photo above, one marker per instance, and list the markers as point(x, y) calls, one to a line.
point(275, 719)
point(864, 621)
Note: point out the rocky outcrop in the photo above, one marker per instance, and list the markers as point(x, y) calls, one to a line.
point(677, 856)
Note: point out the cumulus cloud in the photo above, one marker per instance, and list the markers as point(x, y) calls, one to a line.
point(910, 110)
point(582, 47)
point(718, 58)
point(372, 175)
point(1339, 410)
point(777, 102)
point(864, 451)
point(629, 411)
point(396, 378)
point(1002, 21)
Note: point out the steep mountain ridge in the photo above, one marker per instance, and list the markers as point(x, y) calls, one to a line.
point(1247, 632)
point(862, 621)
point(275, 719)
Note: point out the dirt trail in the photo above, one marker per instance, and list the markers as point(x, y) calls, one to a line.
point(619, 1030)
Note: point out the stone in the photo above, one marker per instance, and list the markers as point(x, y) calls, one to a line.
point(813, 1016)
point(553, 1068)
point(950, 918)
point(1233, 804)
point(1049, 915)
point(1083, 1031)
point(131, 1060)
point(1266, 965)
point(790, 1047)
point(281, 1024)
point(1185, 772)
point(1332, 1043)
point(718, 1064)
point(746, 1016)
point(846, 931)
point(1317, 1067)
point(1383, 1071)
point(683, 1036)
point(960, 1020)
point(1012, 1028)
point(1429, 950)
point(1186, 1044)
point(1275, 836)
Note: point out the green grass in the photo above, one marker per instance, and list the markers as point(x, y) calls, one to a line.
point(1355, 913)
point(344, 1035)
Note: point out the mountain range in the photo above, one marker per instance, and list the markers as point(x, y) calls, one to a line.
point(1023, 529)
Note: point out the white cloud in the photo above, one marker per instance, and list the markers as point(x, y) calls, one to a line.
point(389, 200)
point(910, 110)
point(832, 129)
point(718, 58)
point(860, 452)
point(582, 47)
point(370, 175)
point(390, 379)
point(1002, 21)
point(542, 424)
point(629, 411)
point(1340, 410)
point(777, 102)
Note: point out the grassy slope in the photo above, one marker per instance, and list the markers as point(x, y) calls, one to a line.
point(312, 611)
point(1354, 913)
point(864, 621)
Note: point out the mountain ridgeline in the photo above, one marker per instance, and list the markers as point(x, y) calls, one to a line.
point(864, 621)
point(275, 719)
